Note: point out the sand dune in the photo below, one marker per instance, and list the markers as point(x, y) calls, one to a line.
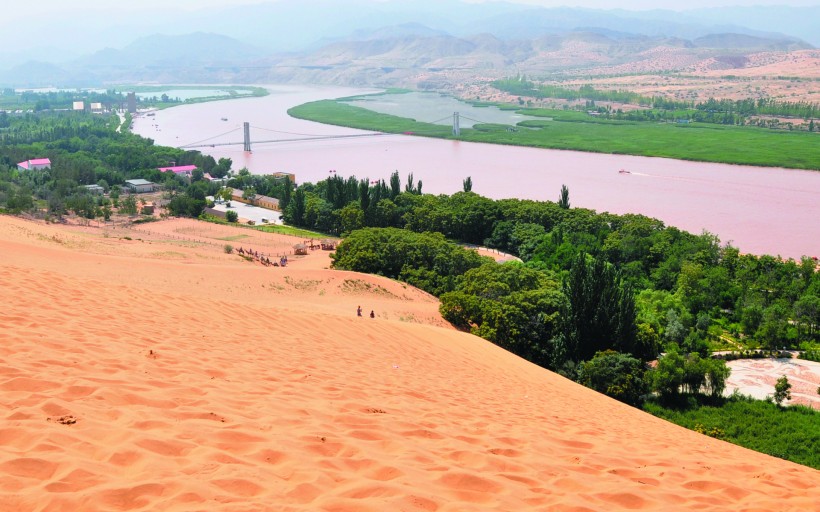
point(154, 375)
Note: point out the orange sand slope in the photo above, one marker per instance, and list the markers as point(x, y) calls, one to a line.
point(133, 382)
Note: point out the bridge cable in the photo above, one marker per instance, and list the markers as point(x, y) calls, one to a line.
point(438, 120)
point(287, 133)
point(209, 138)
point(478, 121)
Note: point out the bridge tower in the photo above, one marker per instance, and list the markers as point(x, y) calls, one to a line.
point(456, 125)
point(247, 136)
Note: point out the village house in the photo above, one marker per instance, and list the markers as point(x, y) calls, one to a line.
point(285, 175)
point(35, 164)
point(208, 177)
point(270, 203)
point(139, 186)
point(186, 171)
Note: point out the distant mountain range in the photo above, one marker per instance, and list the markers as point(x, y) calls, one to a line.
point(375, 43)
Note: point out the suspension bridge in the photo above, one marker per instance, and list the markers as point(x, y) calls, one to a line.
point(299, 137)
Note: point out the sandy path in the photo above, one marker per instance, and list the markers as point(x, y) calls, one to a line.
point(135, 381)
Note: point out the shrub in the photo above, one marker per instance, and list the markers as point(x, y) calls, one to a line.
point(716, 432)
point(695, 374)
point(228, 248)
point(617, 375)
point(231, 216)
point(782, 390)
point(667, 377)
point(811, 355)
point(788, 433)
point(425, 260)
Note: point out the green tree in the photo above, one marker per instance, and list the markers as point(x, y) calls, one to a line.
point(249, 195)
point(231, 216)
point(351, 218)
point(563, 198)
point(395, 185)
point(617, 375)
point(295, 213)
point(226, 194)
point(807, 315)
point(425, 260)
point(668, 375)
point(222, 168)
point(385, 214)
point(717, 371)
point(782, 390)
point(128, 205)
point(287, 195)
point(599, 312)
point(772, 330)
point(511, 305)
point(364, 196)
point(675, 331)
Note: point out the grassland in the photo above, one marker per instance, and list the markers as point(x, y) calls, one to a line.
point(578, 131)
point(791, 433)
point(233, 93)
point(64, 99)
point(267, 228)
point(292, 231)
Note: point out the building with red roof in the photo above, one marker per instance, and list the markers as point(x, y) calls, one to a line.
point(35, 164)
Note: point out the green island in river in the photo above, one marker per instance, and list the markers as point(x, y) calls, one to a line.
point(578, 131)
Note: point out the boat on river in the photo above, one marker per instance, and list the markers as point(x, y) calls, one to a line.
point(624, 171)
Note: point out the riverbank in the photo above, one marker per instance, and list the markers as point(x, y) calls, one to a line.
point(580, 131)
point(760, 210)
point(168, 96)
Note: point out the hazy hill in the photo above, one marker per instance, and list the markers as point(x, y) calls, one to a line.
point(361, 42)
point(296, 26)
point(44, 74)
point(747, 42)
point(188, 49)
point(799, 22)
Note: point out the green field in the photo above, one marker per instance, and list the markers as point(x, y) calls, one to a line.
point(578, 131)
point(791, 433)
point(9, 100)
point(292, 231)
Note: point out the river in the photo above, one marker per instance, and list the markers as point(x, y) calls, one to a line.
point(760, 210)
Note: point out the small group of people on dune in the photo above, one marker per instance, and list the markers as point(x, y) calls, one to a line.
point(359, 312)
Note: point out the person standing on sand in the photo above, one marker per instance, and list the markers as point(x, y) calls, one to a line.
point(359, 311)
point(372, 314)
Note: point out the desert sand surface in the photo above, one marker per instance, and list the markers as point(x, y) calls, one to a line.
point(164, 374)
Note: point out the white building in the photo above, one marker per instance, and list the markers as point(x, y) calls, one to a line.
point(139, 186)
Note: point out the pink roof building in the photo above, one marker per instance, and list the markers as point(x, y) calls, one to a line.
point(178, 169)
point(35, 164)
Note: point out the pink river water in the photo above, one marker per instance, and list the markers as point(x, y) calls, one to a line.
point(760, 210)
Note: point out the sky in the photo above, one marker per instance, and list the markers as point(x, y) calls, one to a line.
point(17, 10)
